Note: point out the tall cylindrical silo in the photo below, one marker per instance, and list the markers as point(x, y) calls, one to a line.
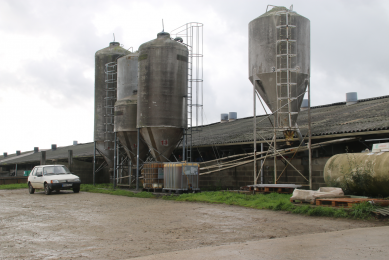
point(279, 61)
point(163, 76)
point(126, 106)
point(102, 57)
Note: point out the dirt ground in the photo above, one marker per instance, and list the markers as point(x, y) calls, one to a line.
point(99, 226)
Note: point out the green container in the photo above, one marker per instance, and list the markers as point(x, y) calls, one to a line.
point(26, 173)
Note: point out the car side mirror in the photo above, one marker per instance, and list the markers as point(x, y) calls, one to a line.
point(39, 175)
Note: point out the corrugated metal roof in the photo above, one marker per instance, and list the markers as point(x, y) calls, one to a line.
point(370, 114)
point(367, 115)
point(382, 211)
point(79, 150)
point(9, 156)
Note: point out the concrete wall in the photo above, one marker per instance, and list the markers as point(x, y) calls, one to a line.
point(236, 177)
point(12, 180)
point(84, 170)
point(20, 173)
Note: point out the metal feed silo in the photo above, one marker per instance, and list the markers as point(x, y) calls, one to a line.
point(102, 57)
point(279, 61)
point(163, 76)
point(126, 106)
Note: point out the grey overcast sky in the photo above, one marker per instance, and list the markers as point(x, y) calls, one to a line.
point(47, 53)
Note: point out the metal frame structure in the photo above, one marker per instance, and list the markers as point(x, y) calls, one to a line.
point(111, 141)
point(102, 165)
point(122, 164)
point(110, 70)
point(286, 84)
point(192, 36)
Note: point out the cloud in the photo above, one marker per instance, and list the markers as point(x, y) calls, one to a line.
point(48, 50)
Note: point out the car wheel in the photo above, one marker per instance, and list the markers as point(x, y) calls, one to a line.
point(76, 190)
point(31, 190)
point(47, 189)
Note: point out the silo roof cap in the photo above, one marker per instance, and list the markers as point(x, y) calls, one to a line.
point(277, 9)
point(163, 34)
point(114, 44)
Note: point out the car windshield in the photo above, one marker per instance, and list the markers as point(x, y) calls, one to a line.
point(55, 170)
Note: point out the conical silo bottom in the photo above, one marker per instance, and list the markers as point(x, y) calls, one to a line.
point(161, 141)
point(107, 154)
point(267, 88)
point(129, 140)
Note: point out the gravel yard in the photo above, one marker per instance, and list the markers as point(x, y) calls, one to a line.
point(100, 226)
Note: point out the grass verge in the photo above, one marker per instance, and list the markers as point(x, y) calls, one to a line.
point(14, 186)
point(108, 189)
point(105, 188)
point(275, 201)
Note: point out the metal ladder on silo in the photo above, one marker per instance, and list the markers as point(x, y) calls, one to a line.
point(189, 131)
point(192, 33)
point(195, 76)
point(109, 104)
point(282, 83)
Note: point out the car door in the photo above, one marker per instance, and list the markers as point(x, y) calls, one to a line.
point(31, 177)
point(38, 179)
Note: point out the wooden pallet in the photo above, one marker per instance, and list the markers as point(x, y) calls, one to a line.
point(348, 202)
point(314, 201)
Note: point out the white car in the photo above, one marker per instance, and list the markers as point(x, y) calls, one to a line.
point(52, 177)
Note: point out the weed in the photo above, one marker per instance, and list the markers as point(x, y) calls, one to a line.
point(340, 213)
point(327, 212)
point(301, 210)
point(362, 210)
point(259, 201)
point(273, 201)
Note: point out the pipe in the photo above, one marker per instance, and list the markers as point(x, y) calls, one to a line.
point(275, 150)
point(137, 161)
point(261, 164)
point(118, 164)
point(280, 152)
point(255, 135)
point(299, 135)
point(183, 146)
point(129, 173)
point(309, 135)
point(114, 163)
point(94, 164)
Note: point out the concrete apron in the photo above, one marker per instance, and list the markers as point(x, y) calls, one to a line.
point(360, 243)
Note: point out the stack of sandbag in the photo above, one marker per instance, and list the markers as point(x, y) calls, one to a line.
point(311, 195)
